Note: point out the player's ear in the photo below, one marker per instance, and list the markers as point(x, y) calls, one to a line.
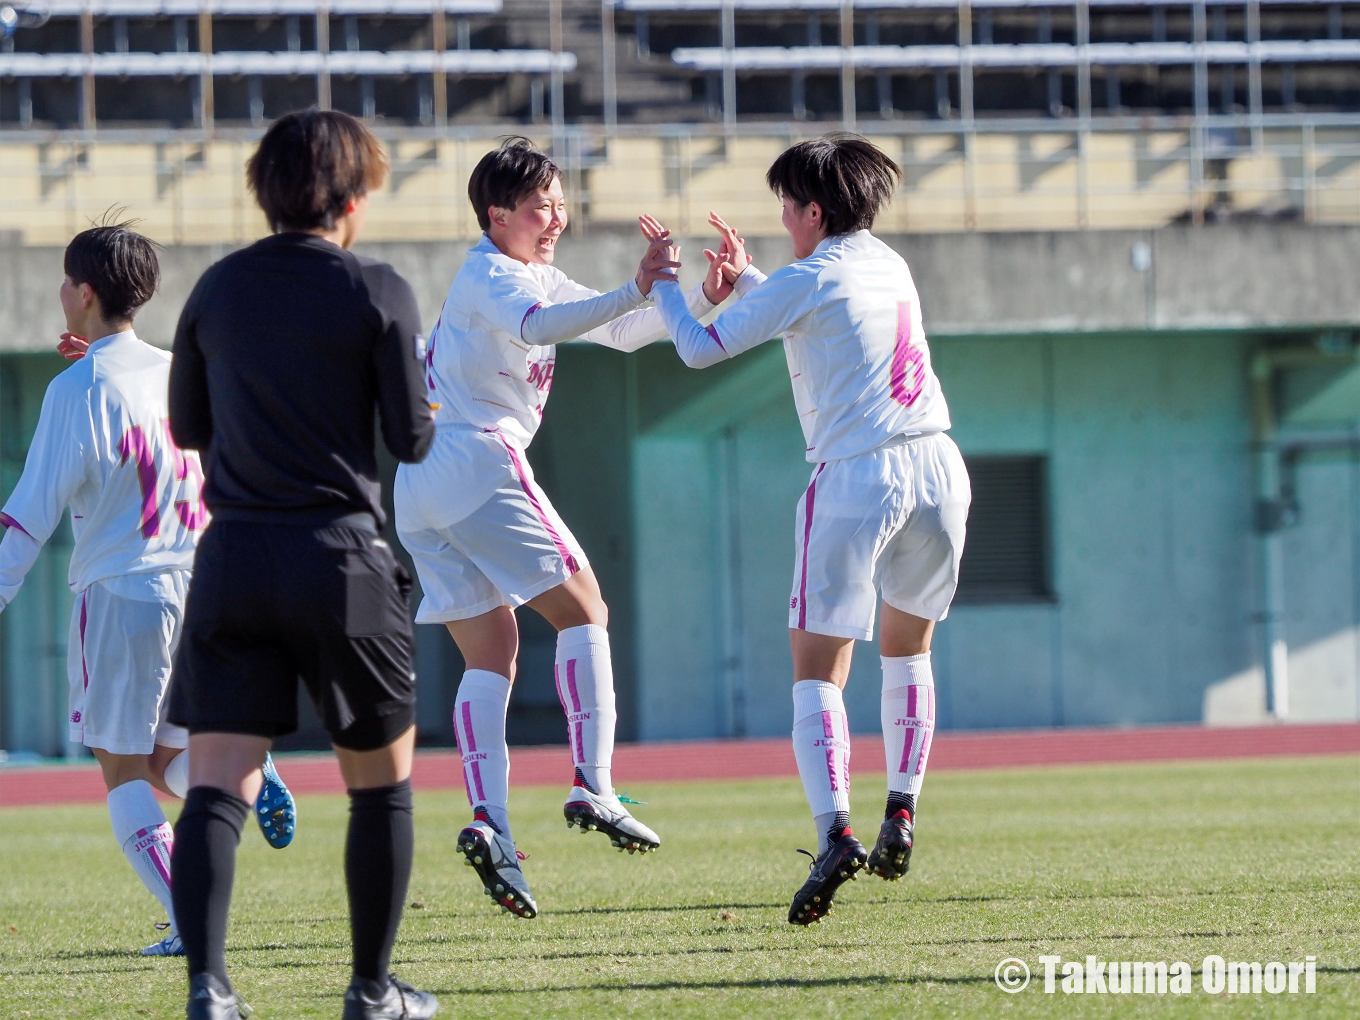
point(497, 214)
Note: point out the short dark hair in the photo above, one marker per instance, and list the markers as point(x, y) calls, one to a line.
point(120, 266)
point(310, 164)
point(507, 174)
point(847, 175)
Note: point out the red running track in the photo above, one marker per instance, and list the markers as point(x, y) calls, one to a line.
point(748, 759)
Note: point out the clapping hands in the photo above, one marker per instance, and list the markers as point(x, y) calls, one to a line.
point(662, 258)
point(726, 264)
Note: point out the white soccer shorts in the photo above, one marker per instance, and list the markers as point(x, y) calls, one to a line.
point(890, 521)
point(511, 549)
point(118, 663)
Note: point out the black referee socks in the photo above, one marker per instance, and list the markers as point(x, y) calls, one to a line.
point(378, 853)
point(202, 869)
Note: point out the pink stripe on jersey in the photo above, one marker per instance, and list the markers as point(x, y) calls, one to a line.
point(807, 536)
point(532, 309)
point(907, 359)
point(716, 339)
point(6, 521)
point(567, 558)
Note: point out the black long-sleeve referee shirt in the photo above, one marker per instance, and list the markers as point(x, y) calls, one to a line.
point(284, 353)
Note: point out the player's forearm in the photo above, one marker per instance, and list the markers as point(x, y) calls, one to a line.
point(698, 347)
point(558, 323)
point(635, 330)
point(18, 552)
point(749, 280)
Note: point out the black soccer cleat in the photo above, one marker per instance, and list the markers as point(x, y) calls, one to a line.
point(891, 855)
point(840, 862)
point(496, 862)
point(369, 1000)
point(210, 999)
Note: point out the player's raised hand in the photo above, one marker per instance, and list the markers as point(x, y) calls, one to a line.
point(651, 227)
point(660, 263)
point(732, 248)
point(72, 347)
point(717, 286)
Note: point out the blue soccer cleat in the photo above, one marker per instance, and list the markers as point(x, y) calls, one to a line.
point(275, 809)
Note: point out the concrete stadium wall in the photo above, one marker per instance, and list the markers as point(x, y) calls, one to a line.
point(1227, 275)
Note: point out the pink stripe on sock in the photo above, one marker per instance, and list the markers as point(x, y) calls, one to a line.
point(153, 851)
point(829, 731)
point(908, 745)
point(925, 752)
point(467, 727)
point(567, 558)
point(580, 747)
point(477, 778)
point(911, 700)
point(571, 685)
point(460, 740)
point(807, 536)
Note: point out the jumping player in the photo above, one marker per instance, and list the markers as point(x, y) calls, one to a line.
point(885, 510)
point(102, 448)
point(483, 534)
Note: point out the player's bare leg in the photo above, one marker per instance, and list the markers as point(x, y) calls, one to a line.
point(821, 745)
point(908, 718)
point(584, 677)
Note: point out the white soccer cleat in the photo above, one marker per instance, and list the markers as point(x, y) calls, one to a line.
point(596, 812)
point(496, 862)
point(168, 946)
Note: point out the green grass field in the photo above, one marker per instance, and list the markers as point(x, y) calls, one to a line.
point(1256, 860)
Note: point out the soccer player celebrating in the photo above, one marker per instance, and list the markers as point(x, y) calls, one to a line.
point(483, 534)
point(102, 448)
point(884, 513)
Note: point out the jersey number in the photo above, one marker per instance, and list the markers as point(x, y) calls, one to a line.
point(135, 447)
point(908, 363)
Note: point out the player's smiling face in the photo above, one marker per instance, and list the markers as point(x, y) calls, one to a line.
point(529, 232)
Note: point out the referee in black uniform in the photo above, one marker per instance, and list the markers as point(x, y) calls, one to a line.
point(286, 352)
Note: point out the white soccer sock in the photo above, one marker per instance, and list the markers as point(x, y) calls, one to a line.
point(821, 744)
point(479, 723)
point(146, 838)
point(177, 775)
point(908, 716)
point(585, 686)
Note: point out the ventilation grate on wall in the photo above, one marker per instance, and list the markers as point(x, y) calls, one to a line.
point(1005, 558)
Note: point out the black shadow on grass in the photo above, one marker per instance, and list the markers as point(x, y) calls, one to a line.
point(671, 986)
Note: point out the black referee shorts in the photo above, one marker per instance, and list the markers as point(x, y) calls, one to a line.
point(270, 603)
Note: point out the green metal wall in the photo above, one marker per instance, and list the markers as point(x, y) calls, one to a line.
point(33, 629)
point(1153, 558)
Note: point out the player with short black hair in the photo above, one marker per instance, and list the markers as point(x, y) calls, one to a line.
point(484, 536)
point(884, 515)
point(101, 447)
point(507, 175)
point(288, 355)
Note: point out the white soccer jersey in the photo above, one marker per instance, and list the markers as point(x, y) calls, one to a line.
point(857, 353)
point(103, 448)
point(490, 357)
